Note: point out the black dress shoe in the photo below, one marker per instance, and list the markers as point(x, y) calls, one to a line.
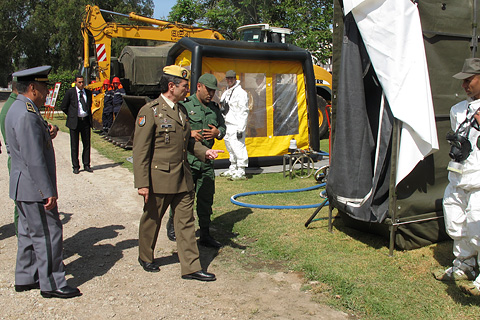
point(88, 169)
point(200, 275)
point(76, 170)
point(26, 287)
point(208, 241)
point(171, 230)
point(148, 266)
point(63, 293)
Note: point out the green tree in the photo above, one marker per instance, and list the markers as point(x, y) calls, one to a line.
point(310, 21)
point(186, 11)
point(12, 17)
point(41, 32)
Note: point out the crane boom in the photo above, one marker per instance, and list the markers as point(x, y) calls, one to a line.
point(102, 32)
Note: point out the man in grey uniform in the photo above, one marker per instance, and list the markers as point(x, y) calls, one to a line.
point(33, 185)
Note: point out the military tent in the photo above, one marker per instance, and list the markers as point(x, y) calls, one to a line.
point(393, 88)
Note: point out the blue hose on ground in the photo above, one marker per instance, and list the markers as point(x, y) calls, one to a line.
point(322, 153)
point(260, 206)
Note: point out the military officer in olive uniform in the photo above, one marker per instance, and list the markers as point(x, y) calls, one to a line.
point(207, 123)
point(163, 176)
point(33, 185)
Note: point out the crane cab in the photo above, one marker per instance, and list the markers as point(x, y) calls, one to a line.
point(263, 32)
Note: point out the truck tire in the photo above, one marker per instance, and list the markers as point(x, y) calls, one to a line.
point(322, 118)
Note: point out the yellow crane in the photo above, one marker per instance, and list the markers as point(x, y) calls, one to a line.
point(94, 25)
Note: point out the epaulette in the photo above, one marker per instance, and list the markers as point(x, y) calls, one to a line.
point(30, 107)
point(152, 103)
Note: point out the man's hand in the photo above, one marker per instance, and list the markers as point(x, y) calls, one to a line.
point(51, 203)
point(196, 134)
point(211, 133)
point(144, 193)
point(212, 154)
point(53, 130)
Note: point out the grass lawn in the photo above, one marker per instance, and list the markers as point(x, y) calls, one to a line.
point(347, 269)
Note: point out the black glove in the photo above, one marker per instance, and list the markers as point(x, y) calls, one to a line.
point(239, 135)
point(224, 107)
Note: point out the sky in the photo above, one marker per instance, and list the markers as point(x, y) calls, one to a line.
point(162, 8)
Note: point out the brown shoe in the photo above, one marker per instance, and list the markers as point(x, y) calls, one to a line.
point(470, 289)
point(457, 275)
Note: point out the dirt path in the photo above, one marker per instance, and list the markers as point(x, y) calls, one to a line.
point(100, 214)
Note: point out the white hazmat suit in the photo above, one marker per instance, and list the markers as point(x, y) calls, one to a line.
point(236, 123)
point(461, 201)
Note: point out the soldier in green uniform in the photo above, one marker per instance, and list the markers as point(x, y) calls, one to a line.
point(207, 124)
point(3, 113)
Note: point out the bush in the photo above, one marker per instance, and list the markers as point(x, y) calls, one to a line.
point(66, 78)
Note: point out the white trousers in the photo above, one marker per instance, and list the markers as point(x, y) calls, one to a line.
point(462, 222)
point(236, 148)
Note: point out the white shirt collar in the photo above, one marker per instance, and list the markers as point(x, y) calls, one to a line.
point(170, 103)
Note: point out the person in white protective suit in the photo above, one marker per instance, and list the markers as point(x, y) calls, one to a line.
point(234, 104)
point(461, 201)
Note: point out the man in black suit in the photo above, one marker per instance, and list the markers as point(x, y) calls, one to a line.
point(77, 105)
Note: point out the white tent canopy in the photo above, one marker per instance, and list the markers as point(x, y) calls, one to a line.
point(392, 34)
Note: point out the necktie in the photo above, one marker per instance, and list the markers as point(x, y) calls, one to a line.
point(82, 101)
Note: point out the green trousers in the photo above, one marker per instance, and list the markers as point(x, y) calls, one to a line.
point(204, 179)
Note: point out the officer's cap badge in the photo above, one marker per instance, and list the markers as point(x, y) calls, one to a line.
point(141, 121)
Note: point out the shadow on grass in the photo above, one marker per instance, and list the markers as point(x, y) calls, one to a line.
point(222, 226)
point(94, 259)
point(443, 253)
point(365, 236)
point(454, 291)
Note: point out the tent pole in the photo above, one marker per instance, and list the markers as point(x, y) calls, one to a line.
point(330, 215)
point(474, 43)
point(397, 126)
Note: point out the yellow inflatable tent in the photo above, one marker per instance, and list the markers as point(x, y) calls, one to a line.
point(280, 84)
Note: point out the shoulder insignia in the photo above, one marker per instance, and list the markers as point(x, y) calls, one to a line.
point(30, 107)
point(141, 121)
point(152, 103)
point(192, 112)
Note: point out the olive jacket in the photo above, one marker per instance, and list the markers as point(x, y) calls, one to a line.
point(160, 145)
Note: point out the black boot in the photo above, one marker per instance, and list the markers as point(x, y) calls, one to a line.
point(171, 230)
point(207, 240)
